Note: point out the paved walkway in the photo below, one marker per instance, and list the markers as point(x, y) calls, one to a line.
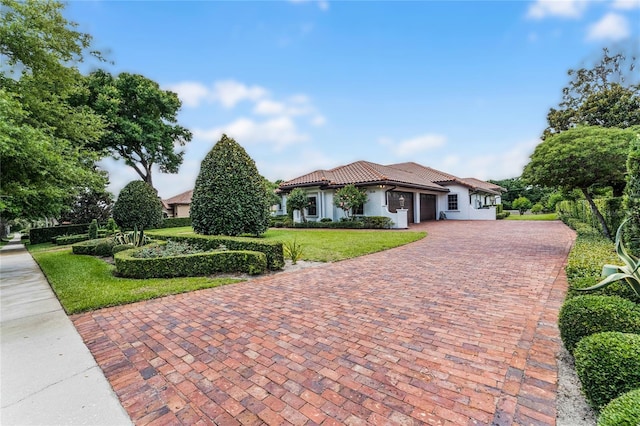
point(456, 329)
point(47, 374)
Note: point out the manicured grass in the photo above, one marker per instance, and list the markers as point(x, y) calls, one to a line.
point(84, 283)
point(328, 245)
point(545, 216)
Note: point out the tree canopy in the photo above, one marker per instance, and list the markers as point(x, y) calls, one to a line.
point(137, 206)
point(43, 137)
point(141, 121)
point(230, 196)
point(298, 200)
point(349, 197)
point(584, 158)
point(607, 95)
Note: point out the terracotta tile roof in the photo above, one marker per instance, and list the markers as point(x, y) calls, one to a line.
point(364, 172)
point(486, 186)
point(184, 198)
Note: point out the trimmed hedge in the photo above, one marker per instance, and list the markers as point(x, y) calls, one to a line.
point(44, 235)
point(70, 239)
point(580, 211)
point(90, 247)
point(176, 222)
point(272, 249)
point(198, 264)
point(586, 315)
point(622, 411)
point(584, 267)
point(608, 365)
point(364, 222)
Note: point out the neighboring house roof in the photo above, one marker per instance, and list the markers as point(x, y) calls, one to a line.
point(408, 174)
point(184, 198)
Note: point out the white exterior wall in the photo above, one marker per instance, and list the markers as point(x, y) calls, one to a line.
point(467, 208)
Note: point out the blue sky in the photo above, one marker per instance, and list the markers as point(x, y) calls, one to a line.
point(461, 86)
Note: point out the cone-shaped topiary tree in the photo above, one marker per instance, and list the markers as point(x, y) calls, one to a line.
point(632, 197)
point(138, 206)
point(229, 197)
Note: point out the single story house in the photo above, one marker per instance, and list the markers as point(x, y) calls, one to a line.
point(179, 205)
point(424, 193)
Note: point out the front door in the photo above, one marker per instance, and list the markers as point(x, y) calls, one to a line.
point(427, 207)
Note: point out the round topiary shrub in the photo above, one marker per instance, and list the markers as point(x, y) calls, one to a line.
point(105, 248)
point(622, 411)
point(229, 197)
point(608, 365)
point(138, 206)
point(582, 316)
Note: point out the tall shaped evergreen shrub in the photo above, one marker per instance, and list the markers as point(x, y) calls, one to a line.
point(229, 197)
point(137, 206)
point(632, 197)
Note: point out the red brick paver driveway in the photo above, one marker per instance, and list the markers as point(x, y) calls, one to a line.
point(458, 328)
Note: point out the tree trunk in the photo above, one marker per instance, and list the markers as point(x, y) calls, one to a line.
point(596, 212)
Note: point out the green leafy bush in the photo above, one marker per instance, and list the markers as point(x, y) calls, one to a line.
point(121, 247)
point(176, 222)
point(90, 247)
point(632, 197)
point(111, 227)
point(45, 235)
point(168, 249)
point(622, 411)
point(277, 221)
point(347, 224)
point(198, 264)
point(93, 229)
point(326, 219)
point(71, 239)
point(586, 315)
point(230, 197)
point(608, 365)
point(376, 222)
point(584, 267)
point(272, 249)
point(537, 208)
point(105, 247)
point(580, 212)
point(138, 206)
point(503, 215)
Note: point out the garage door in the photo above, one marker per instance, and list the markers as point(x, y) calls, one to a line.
point(427, 207)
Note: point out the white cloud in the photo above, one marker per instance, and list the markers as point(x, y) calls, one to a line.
point(291, 167)
point(414, 145)
point(278, 132)
point(561, 8)
point(322, 4)
point(612, 27)
point(191, 93)
point(230, 92)
point(626, 4)
point(500, 165)
point(318, 120)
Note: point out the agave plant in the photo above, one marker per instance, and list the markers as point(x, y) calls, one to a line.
point(630, 271)
point(135, 238)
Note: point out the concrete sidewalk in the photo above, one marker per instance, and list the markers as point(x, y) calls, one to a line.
point(47, 374)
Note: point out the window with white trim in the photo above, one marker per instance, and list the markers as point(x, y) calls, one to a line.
point(452, 202)
point(312, 207)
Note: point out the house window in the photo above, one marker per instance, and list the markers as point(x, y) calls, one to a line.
point(358, 210)
point(312, 208)
point(452, 202)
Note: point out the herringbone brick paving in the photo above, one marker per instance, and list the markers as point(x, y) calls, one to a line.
point(456, 329)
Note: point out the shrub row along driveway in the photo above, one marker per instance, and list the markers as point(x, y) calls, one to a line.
point(458, 328)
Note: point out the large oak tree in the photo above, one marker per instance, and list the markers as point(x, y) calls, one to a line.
point(141, 121)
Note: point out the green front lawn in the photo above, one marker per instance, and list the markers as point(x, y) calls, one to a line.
point(545, 216)
point(327, 245)
point(83, 283)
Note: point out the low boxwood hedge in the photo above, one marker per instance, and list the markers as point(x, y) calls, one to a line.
point(584, 268)
point(44, 235)
point(70, 239)
point(99, 247)
point(207, 263)
point(608, 365)
point(272, 249)
point(175, 222)
point(622, 411)
point(364, 222)
point(585, 315)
